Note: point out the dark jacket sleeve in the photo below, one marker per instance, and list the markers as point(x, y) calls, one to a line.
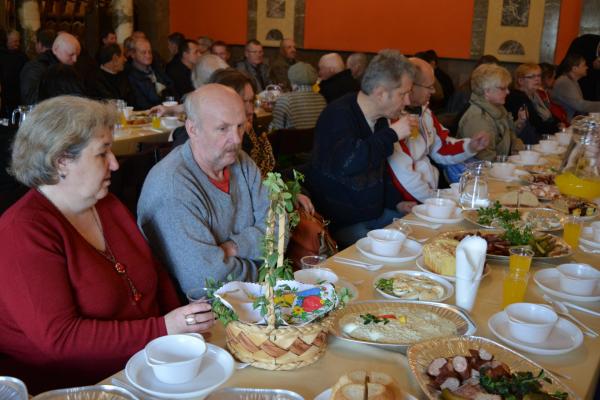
point(31, 74)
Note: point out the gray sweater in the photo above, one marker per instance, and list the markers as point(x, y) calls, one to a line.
point(185, 218)
point(567, 93)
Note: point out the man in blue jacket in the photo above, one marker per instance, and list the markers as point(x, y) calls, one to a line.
point(348, 173)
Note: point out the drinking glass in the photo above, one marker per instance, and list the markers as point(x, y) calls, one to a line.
point(572, 231)
point(519, 260)
point(414, 128)
point(514, 287)
point(195, 294)
point(315, 261)
point(501, 159)
point(169, 98)
point(155, 121)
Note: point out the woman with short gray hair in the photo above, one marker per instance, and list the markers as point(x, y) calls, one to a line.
point(489, 86)
point(80, 291)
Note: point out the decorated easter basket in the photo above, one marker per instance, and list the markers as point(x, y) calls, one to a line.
point(275, 345)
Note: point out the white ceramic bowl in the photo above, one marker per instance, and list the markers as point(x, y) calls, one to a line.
point(578, 279)
point(315, 276)
point(386, 242)
point(503, 170)
point(529, 322)
point(169, 103)
point(564, 138)
point(170, 122)
point(439, 207)
point(596, 230)
point(176, 359)
point(529, 157)
point(548, 145)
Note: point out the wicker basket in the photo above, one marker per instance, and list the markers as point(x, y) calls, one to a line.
point(282, 348)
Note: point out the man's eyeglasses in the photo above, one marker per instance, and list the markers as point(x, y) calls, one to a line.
point(430, 87)
point(532, 76)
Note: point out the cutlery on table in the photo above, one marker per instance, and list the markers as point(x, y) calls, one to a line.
point(133, 390)
point(562, 310)
point(418, 223)
point(574, 306)
point(588, 250)
point(356, 263)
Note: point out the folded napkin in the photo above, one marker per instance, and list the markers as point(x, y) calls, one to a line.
point(470, 259)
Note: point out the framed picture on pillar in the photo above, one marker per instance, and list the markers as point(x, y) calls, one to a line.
point(269, 21)
point(514, 30)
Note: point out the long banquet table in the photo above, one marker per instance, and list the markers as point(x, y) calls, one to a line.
point(581, 365)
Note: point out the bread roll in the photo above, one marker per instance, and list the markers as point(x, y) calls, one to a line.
point(352, 386)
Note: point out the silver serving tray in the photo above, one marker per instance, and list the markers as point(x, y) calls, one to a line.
point(471, 216)
point(103, 392)
point(464, 323)
point(253, 394)
point(421, 354)
point(12, 389)
point(505, 258)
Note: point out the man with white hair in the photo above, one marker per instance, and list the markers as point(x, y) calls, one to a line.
point(65, 50)
point(413, 175)
point(253, 65)
point(357, 64)
point(348, 174)
point(336, 80)
point(282, 63)
point(203, 207)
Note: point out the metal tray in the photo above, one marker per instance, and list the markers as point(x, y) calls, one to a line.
point(472, 216)
point(103, 392)
point(12, 389)
point(505, 258)
point(464, 323)
point(253, 394)
point(421, 354)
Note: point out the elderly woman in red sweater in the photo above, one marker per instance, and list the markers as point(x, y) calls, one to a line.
point(80, 291)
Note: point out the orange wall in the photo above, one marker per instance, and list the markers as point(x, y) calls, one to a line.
point(410, 26)
point(351, 25)
point(222, 19)
point(568, 27)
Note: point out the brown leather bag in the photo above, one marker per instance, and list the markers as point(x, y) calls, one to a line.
point(310, 237)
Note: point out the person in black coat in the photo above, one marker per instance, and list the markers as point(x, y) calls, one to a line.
point(180, 67)
point(12, 60)
point(336, 80)
point(540, 121)
point(109, 81)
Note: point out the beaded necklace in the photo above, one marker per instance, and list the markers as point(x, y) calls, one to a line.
point(120, 268)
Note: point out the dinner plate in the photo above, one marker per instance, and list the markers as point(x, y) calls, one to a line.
point(534, 213)
point(409, 251)
point(448, 288)
point(548, 280)
point(324, 395)
point(421, 212)
point(587, 238)
point(464, 323)
point(343, 283)
point(564, 337)
point(421, 265)
point(217, 367)
point(516, 159)
point(420, 355)
point(558, 150)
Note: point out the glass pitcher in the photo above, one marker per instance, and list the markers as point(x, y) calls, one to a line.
point(22, 112)
point(473, 186)
point(580, 170)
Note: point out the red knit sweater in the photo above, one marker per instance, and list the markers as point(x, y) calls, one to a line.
point(66, 317)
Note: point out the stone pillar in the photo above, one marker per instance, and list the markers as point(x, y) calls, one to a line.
point(122, 12)
point(152, 17)
point(28, 12)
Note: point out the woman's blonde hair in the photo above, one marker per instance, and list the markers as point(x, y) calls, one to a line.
point(487, 76)
point(60, 127)
point(526, 69)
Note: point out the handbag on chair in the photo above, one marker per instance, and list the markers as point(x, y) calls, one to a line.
point(310, 237)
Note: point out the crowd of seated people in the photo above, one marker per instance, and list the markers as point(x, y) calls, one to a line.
point(202, 209)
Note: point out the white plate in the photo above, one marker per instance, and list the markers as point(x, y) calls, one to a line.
point(421, 265)
point(448, 288)
point(421, 212)
point(342, 283)
point(587, 238)
point(548, 280)
point(409, 251)
point(517, 160)
point(517, 176)
point(324, 395)
point(558, 150)
point(564, 337)
point(217, 367)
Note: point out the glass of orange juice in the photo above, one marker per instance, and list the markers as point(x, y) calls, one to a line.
point(519, 260)
point(572, 230)
point(155, 121)
point(514, 287)
point(414, 126)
